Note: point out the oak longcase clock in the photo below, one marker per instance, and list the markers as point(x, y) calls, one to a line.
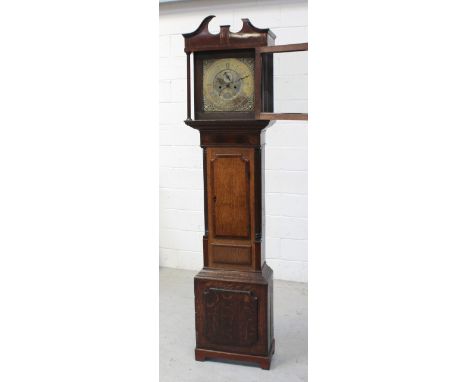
point(233, 105)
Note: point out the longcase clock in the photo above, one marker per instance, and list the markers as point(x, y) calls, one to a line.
point(233, 105)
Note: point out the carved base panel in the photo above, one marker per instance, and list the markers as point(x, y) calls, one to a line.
point(233, 314)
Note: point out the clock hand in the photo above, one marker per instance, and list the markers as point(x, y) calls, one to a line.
point(240, 79)
point(223, 82)
point(227, 76)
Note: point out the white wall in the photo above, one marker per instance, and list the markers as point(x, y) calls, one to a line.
point(181, 179)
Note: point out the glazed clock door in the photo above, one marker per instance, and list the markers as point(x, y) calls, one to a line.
point(263, 99)
point(230, 174)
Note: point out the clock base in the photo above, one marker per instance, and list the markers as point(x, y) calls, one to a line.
point(262, 361)
point(234, 315)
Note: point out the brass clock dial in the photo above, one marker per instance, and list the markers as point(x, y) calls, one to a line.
point(228, 84)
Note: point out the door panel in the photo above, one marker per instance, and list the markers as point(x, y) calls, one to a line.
point(230, 195)
point(230, 186)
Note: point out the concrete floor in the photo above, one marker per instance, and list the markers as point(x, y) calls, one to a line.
point(177, 335)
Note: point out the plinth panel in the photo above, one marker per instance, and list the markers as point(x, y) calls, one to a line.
point(231, 316)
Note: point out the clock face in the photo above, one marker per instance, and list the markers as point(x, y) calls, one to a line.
point(228, 84)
